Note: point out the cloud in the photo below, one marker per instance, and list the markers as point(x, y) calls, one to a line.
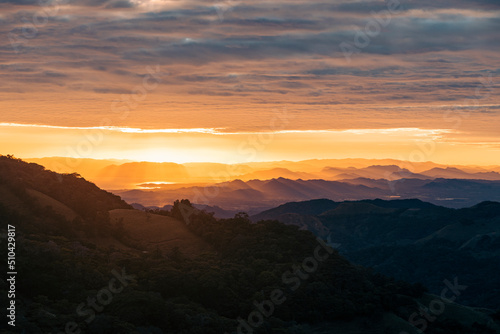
point(119, 4)
point(51, 74)
point(257, 56)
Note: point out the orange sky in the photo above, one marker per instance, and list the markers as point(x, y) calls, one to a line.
point(230, 82)
point(211, 145)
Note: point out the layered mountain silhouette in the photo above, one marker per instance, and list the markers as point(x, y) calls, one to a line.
point(410, 239)
point(257, 195)
point(116, 174)
point(184, 271)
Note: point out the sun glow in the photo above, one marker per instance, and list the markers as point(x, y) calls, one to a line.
point(217, 145)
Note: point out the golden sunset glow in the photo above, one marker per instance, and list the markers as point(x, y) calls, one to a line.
point(250, 166)
point(188, 81)
point(215, 145)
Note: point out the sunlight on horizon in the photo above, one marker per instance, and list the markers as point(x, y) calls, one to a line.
point(215, 145)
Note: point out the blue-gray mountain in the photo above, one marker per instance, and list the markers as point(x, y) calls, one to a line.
point(410, 240)
point(255, 196)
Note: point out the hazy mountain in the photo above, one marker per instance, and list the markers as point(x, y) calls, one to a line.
point(89, 168)
point(276, 173)
point(455, 173)
point(165, 274)
point(347, 179)
point(130, 174)
point(256, 195)
point(119, 175)
point(388, 172)
point(316, 165)
point(216, 172)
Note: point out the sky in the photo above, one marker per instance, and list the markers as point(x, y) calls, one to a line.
point(242, 81)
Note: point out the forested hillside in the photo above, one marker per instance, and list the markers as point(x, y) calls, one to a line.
point(96, 274)
point(410, 240)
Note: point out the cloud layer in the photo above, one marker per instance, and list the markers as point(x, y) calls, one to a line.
point(231, 64)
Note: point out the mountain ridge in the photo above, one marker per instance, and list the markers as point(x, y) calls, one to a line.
point(439, 242)
point(231, 265)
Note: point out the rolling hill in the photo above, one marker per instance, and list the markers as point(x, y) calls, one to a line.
point(188, 275)
point(410, 239)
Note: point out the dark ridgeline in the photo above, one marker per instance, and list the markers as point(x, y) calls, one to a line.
point(410, 240)
point(68, 247)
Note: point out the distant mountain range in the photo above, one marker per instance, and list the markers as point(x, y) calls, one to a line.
point(119, 174)
point(410, 239)
point(257, 186)
point(257, 195)
point(172, 275)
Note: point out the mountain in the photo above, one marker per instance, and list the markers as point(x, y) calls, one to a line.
point(25, 183)
point(315, 165)
point(410, 239)
point(184, 271)
point(258, 195)
point(357, 208)
point(78, 207)
point(253, 195)
point(388, 172)
point(217, 211)
point(313, 207)
point(159, 233)
point(130, 174)
point(395, 172)
point(89, 168)
point(411, 203)
point(455, 173)
point(276, 173)
point(122, 174)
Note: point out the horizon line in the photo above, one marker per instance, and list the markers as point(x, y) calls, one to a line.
point(254, 162)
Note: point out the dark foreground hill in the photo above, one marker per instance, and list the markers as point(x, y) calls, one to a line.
point(100, 267)
point(21, 179)
point(410, 240)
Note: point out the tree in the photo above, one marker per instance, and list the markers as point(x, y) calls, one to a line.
point(182, 210)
